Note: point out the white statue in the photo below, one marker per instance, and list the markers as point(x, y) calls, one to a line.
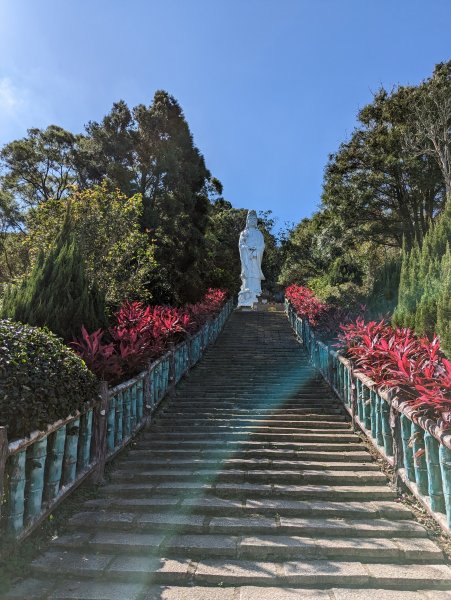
point(251, 247)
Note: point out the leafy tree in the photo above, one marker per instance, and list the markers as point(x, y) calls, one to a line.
point(380, 191)
point(40, 166)
point(12, 258)
point(383, 295)
point(106, 151)
point(150, 150)
point(118, 255)
point(430, 131)
point(57, 293)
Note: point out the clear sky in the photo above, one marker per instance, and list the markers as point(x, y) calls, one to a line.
point(269, 87)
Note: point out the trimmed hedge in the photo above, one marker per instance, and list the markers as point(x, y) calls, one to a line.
point(41, 379)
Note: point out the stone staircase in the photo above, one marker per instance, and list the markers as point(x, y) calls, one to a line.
point(250, 485)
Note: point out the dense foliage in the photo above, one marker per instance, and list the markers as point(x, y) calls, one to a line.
point(57, 292)
point(324, 317)
point(424, 302)
point(106, 225)
point(141, 333)
point(397, 358)
point(383, 188)
point(41, 379)
point(393, 358)
point(147, 151)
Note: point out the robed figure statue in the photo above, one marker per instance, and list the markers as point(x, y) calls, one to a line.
point(251, 247)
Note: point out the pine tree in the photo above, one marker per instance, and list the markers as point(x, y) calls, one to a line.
point(422, 287)
point(56, 294)
point(444, 304)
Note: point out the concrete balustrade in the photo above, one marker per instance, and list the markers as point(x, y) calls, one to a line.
point(38, 472)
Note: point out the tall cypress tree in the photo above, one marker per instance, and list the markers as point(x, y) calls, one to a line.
point(57, 294)
point(423, 301)
point(444, 304)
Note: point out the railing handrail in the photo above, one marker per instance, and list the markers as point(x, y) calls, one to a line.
point(72, 448)
point(416, 446)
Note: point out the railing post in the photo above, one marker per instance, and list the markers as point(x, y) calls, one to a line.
point(434, 474)
point(99, 435)
point(330, 366)
point(352, 397)
point(3, 459)
point(189, 339)
point(147, 397)
point(445, 467)
point(171, 376)
point(395, 426)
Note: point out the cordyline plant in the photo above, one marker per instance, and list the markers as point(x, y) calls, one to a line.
point(393, 358)
point(324, 318)
point(397, 358)
point(142, 333)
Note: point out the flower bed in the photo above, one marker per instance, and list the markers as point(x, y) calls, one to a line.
point(398, 359)
point(412, 366)
point(141, 333)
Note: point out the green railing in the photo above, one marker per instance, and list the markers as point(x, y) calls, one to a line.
point(38, 472)
point(418, 450)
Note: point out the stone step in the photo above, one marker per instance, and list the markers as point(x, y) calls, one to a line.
point(246, 415)
point(228, 426)
point(255, 547)
point(150, 443)
point(325, 477)
point(154, 463)
point(256, 407)
point(325, 438)
point(255, 397)
point(266, 454)
point(225, 572)
point(84, 589)
point(230, 507)
point(254, 490)
point(191, 523)
point(326, 421)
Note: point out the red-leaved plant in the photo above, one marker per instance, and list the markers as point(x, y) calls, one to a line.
point(397, 358)
point(393, 358)
point(141, 333)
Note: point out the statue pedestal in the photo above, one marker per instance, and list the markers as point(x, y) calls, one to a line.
point(247, 298)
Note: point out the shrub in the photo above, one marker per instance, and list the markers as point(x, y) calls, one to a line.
point(324, 318)
point(41, 379)
point(57, 293)
point(397, 358)
point(424, 284)
point(141, 333)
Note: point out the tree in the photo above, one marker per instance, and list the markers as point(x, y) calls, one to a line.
point(444, 305)
point(40, 166)
point(57, 293)
point(430, 130)
point(118, 255)
point(106, 151)
point(12, 257)
point(379, 190)
point(422, 301)
point(150, 150)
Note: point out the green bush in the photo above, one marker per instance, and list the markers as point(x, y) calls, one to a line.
point(423, 301)
point(41, 379)
point(57, 294)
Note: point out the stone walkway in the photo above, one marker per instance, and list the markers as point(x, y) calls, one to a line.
point(250, 485)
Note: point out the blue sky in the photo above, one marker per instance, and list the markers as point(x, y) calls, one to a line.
point(269, 87)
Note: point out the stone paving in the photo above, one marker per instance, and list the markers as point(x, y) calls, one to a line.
point(249, 485)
